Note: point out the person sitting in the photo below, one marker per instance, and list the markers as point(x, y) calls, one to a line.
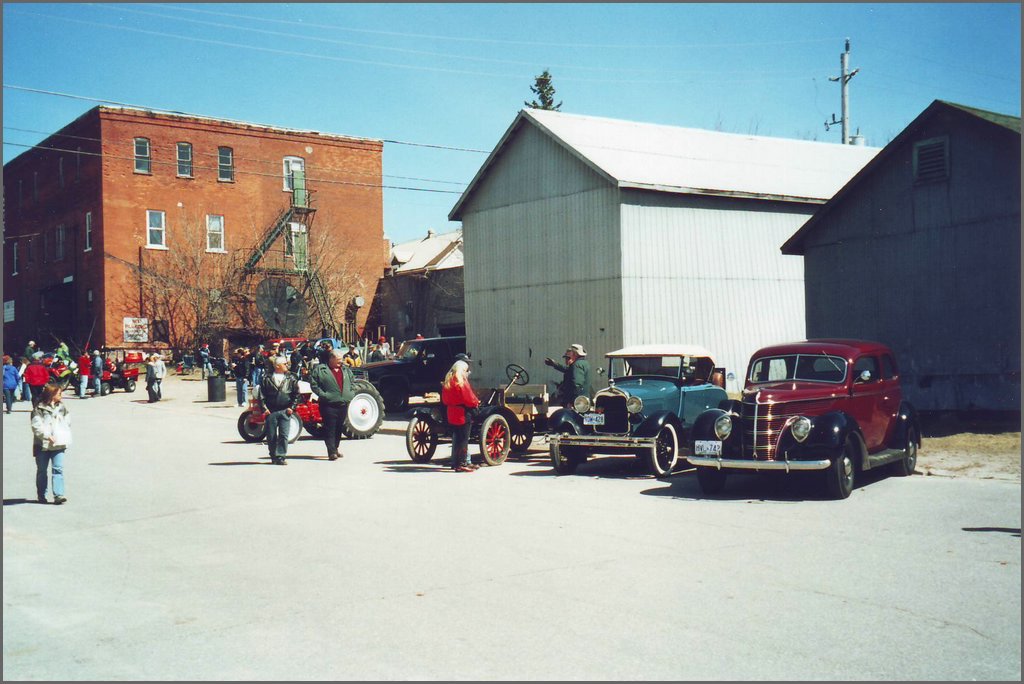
point(352, 358)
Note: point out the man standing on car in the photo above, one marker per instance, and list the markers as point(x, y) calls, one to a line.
point(280, 392)
point(575, 374)
point(332, 384)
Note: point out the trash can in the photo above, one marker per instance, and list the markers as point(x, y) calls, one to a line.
point(215, 388)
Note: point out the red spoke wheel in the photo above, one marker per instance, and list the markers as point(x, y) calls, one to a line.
point(420, 440)
point(495, 439)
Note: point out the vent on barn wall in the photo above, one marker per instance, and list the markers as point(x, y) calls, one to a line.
point(931, 160)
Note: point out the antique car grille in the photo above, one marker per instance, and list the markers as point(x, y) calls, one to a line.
point(763, 423)
point(616, 418)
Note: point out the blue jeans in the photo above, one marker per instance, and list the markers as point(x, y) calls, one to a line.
point(241, 388)
point(97, 379)
point(207, 370)
point(55, 459)
point(277, 434)
point(26, 391)
point(9, 399)
point(83, 386)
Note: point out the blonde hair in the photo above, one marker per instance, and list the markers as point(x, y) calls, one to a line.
point(458, 375)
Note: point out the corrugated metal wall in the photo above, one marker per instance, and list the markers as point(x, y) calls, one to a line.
point(542, 261)
point(708, 271)
point(931, 270)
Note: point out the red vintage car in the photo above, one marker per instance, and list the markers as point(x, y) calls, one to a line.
point(830, 405)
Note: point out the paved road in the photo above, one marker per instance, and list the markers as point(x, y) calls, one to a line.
point(182, 554)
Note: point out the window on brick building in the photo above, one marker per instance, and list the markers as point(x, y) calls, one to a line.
point(156, 229)
point(60, 173)
point(214, 233)
point(292, 164)
point(225, 164)
point(58, 243)
point(88, 231)
point(143, 156)
point(185, 159)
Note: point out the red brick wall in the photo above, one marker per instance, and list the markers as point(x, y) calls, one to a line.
point(344, 176)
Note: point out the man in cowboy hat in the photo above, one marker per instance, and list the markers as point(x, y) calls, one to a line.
point(575, 375)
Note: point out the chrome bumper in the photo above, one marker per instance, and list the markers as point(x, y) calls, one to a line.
point(599, 442)
point(747, 464)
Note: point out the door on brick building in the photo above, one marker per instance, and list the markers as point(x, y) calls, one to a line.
point(56, 315)
point(300, 246)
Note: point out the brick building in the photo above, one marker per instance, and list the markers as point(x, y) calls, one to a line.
point(104, 208)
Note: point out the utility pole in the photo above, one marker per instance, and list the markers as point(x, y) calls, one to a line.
point(844, 78)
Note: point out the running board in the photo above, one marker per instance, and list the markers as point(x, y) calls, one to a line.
point(882, 458)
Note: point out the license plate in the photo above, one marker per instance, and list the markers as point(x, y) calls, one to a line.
point(593, 419)
point(707, 448)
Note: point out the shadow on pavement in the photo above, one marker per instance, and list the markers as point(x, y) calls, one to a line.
point(760, 487)
point(1015, 531)
point(16, 502)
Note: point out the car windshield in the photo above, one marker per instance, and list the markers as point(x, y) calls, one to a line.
point(628, 366)
point(409, 351)
point(802, 367)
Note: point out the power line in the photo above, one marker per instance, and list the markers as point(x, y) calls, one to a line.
point(417, 67)
point(236, 171)
point(306, 37)
point(180, 113)
point(499, 41)
point(237, 158)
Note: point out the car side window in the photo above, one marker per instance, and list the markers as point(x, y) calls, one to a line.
point(866, 363)
point(888, 367)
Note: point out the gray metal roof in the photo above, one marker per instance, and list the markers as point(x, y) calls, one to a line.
point(694, 161)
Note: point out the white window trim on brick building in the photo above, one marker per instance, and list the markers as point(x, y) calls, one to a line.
point(184, 160)
point(146, 158)
point(88, 232)
point(288, 165)
point(59, 240)
point(225, 168)
point(215, 228)
point(162, 228)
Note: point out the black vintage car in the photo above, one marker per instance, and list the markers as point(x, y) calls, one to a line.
point(418, 367)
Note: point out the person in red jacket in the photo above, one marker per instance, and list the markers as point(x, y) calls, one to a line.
point(83, 374)
point(36, 375)
point(457, 394)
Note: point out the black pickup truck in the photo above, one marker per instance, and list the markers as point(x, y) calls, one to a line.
point(418, 367)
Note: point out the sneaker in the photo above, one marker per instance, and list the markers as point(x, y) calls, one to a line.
point(464, 469)
point(58, 500)
point(332, 457)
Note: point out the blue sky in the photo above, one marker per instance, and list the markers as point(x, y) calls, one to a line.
point(454, 75)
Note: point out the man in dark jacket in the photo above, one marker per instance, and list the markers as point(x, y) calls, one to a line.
point(575, 375)
point(96, 372)
point(332, 384)
point(280, 392)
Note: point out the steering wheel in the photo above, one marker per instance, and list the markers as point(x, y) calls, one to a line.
point(516, 374)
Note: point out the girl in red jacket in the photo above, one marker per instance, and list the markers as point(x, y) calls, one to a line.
point(458, 395)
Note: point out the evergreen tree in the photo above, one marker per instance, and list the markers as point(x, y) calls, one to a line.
point(543, 89)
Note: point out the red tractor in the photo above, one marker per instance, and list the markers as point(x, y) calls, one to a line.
point(363, 419)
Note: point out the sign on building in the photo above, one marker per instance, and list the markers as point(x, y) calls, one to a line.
point(9, 311)
point(136, 329)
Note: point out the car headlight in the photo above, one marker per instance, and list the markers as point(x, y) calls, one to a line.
point(581, 404)
point(723, 427)
point(800, 428)
point(634, 404)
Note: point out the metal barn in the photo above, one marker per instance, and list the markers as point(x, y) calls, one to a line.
point(612, 233)
point(922, 251)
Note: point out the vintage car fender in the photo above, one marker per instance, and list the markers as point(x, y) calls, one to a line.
point(565, 420)
point(654, 422)
point(432, 416)
point(704, 429)
point(905, 420)
point(826, 440)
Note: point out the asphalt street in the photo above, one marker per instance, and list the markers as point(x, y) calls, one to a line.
point(182, 553)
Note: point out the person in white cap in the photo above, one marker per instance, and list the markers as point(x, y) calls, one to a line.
point(575, 374)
